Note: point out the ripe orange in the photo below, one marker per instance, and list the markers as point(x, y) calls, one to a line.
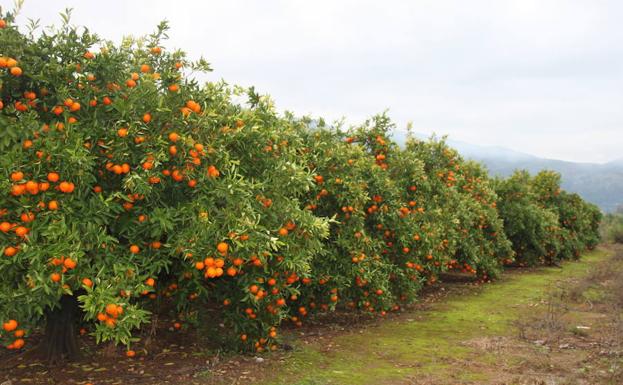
point(18, 343)
point(21, 231)
point(16, 71)
point(69, 263)
point(111, 310)
point(16, 176)
point(10, 325)
point(87, 282)
point(134, 249)
point(55, 277)
point(53, 177)
point(32, 187)
point(222, 247)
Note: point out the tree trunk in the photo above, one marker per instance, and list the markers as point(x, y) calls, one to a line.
point(60, 340)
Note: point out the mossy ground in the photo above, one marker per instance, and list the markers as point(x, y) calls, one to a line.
point(433, 345)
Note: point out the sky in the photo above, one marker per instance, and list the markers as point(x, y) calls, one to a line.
point(543, 77)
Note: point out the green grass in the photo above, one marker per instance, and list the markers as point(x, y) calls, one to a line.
point(398, 349)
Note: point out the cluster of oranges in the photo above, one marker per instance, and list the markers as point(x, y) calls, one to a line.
point(110, 315)
point(11, 326)
point(11, 64)
point(66, 264)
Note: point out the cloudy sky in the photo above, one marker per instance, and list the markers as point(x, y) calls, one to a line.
point(539, 76)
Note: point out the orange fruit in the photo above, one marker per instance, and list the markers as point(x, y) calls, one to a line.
point(10, 325)
point(69, 263)
point(5, 227)
point(21, 231)
point(10, 251)
point(16, 176)
point(53, 177)
point(18, 343)
point(32, 187)
point(222, 247)
point(111, 309)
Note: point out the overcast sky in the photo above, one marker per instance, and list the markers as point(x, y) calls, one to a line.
point(539, 76)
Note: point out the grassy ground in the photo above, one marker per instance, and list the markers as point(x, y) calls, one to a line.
point(509, 332)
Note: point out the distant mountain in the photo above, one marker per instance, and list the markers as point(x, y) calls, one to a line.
point(601, 184)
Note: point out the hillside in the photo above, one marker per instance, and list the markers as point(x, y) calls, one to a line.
point(601, 184)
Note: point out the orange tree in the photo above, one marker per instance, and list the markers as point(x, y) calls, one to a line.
point(463, 200)
point(122, 181)
point(352, 271)
point(364, 265)
point(578, 221)
point(533, 228)
point(400, 217)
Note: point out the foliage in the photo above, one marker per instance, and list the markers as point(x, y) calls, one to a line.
point(129, 186)
point(612, 228)
point(544, 223)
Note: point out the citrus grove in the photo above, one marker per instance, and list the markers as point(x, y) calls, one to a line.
point(127, 190)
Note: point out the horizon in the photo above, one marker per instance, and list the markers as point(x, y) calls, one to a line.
point(547, 73)
point(452, 141)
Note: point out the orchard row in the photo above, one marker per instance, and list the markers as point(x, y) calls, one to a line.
point(124, 184)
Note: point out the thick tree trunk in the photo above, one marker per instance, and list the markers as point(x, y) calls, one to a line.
point(60, 340)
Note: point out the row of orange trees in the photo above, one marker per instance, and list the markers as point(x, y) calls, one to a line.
point(126, 185)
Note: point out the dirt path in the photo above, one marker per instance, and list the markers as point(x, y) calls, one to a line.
point(533, 327)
